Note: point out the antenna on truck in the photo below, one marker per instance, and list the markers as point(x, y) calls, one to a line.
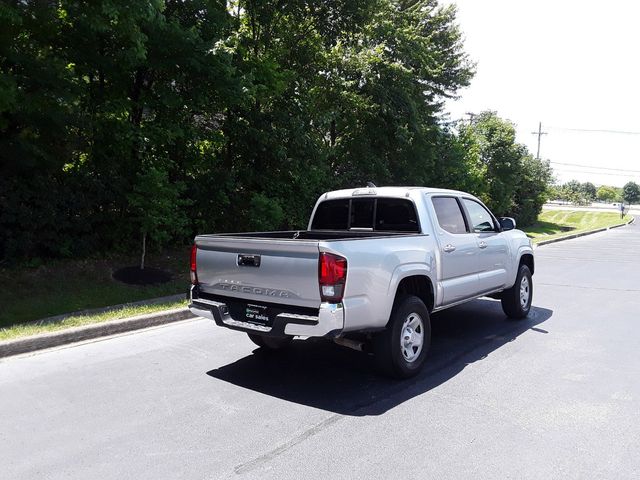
point(371, 185)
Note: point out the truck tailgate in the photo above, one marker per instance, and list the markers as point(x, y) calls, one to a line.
point(261, 270)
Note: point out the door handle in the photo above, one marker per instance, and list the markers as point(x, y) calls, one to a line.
point(448, 248)
point(482, 244)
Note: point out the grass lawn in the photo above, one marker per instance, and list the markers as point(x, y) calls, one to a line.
point(30, 328)
point(63, 286)
point(558, 223)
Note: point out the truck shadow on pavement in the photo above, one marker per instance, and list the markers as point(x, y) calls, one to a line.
point(323, 375)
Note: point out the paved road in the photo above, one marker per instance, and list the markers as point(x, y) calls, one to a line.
point(554, 396)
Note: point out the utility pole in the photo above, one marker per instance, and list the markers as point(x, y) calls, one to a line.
point(539, 133)
point(472, 117)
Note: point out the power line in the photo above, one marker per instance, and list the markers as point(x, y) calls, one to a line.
point(602, 173)
point(596, 130)
point(597, 168)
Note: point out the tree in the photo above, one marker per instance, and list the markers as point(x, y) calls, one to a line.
point(457, 163)
point(119, 119)
point(501, 171)
point(339, 93)
point(589, 191)
point(155, 204)
point(83, 87)
point(631, 192)
point(555, 192)
point(533, 189)
point(501, 158)
point(607, 194)
point(573, 191)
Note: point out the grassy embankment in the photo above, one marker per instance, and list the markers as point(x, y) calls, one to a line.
point(553, 224)
point(63, 286)
point(31, 328)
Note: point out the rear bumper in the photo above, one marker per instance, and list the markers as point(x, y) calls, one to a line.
point(328, 323)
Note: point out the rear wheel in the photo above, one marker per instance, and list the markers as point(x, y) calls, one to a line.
point(401, 349)
point(270, 343)
point(516, 301)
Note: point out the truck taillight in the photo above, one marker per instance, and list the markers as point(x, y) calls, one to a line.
point(194, 266)
point(332, 275)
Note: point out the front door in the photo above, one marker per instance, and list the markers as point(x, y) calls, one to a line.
point(458, 251)
point(493, 250)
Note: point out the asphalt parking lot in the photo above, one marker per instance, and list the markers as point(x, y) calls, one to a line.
point(554, 396)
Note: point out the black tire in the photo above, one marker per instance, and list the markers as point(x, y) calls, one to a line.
point(270, 343)
point(390, 355)
point(512, 305)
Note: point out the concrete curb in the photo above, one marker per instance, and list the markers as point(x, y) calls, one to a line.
point(94, 311)
point(42, 341)
point(582, 234)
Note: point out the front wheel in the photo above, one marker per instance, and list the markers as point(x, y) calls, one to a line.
point(516, 301)
point(270, 343)
point(401, 349)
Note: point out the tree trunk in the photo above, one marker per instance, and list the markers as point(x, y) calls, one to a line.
point(332, 134)
point(144, 249)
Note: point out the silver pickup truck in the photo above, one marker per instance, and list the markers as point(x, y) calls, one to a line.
point(372, 266)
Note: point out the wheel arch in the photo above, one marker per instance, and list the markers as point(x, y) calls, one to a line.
point(419, 285)
point(527, 259)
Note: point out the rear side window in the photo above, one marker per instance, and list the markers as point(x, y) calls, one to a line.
point(394, 214)
point(449, 214)
point(378, 214)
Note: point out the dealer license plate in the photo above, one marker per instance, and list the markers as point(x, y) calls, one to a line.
point(257, 314)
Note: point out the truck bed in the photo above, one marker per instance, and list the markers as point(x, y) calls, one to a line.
point(280, 267)
point(324, 235)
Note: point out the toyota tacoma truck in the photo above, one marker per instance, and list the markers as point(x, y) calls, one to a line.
point(370, 269)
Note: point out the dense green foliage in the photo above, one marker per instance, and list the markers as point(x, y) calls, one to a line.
point(127, 119)
point(631, 192)
point(507, 177)
point(584, 193)
point(607, 193)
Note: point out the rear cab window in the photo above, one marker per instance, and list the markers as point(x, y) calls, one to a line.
point(332, 215)
point(370, 214)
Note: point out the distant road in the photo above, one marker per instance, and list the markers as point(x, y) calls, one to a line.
point(596, 207)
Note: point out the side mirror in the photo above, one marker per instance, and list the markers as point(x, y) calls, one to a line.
point(507, 223)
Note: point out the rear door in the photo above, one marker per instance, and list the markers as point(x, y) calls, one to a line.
point(458, 250)
point(493, 250)
point(260, 270)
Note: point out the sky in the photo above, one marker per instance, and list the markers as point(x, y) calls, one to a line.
point(572, 65)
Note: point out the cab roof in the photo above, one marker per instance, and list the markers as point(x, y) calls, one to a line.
point(398, 192)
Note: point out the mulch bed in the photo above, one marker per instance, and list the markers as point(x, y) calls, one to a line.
point(135, 276)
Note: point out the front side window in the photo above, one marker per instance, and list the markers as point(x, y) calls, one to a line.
point(481, 219)
point(449, 214)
